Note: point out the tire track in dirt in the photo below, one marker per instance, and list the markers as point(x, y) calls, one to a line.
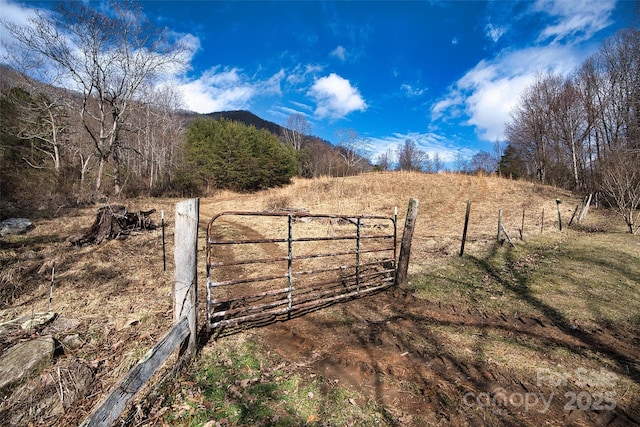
point(236, 230)
point(386, 348)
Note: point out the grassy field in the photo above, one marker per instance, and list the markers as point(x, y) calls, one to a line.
point(555, 319)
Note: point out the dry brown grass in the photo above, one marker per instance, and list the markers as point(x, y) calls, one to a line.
point(123, 300)
point(442, 197)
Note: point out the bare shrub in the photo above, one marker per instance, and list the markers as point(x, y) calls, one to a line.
point(621, 186)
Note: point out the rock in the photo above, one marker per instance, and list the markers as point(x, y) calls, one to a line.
point(15, 226)
point(72, 342)
point(24, 360)
point(56, 390)
point(30, 321)
point(63, 325)
point(37, 319)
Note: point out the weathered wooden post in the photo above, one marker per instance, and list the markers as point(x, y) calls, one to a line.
point(506, 234)
point(558, 201)
point(575, 211)
point(585, 208)
point(499, 224)
point(522, 226)
point(185, 321)
point(186, 269)
point(405, 245)
point(466, 224)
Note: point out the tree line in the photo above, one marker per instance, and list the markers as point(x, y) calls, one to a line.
point(112, 122)
point(117, 128)
point(582, 132)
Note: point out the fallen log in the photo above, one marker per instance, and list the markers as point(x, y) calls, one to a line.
point(114, 222)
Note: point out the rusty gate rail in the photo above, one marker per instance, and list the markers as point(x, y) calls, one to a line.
point(357, 257)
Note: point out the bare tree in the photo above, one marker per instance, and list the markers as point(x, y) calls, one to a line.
point(483, 161)
point(105, 56)
point(498, 151)
point(621, 186)
point(410, 157)
point(460, 163)
point(530, 127)
point(297, 127)
point(158, 130)
point(565, 129)
point(42, 120)
point(384, 160)
point(353, 149)
point(323, 159)
point(438, 163)
point(570, 127)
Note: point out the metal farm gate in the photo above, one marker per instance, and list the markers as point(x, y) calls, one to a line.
point(263, 266)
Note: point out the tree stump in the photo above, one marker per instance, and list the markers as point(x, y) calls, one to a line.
point(115, 222)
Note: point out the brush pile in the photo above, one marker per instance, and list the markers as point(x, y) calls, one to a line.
point(114, 222)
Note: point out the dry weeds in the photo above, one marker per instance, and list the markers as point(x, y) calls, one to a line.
point(122, 299)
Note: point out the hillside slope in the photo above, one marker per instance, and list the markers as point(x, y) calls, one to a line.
point(118, 300)
point(442, 197)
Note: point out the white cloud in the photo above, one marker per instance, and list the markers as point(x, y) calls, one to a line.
point(302, 73)
point(228, 89)
point(284, 111)
point(272, 84)
point(491, 103)
point(335, 97)
point(494, 32)
point(575, 21)
point(190, 43)
point(302, 106)
point(13, 13)
point(431, 143)
point(339, 52)
point(411, 91)
point(450, 105)
point(487, 93)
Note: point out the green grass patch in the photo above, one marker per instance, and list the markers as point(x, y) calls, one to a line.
point(593, 279)
point(241, 384)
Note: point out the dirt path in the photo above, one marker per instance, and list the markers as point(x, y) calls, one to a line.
point(396, 351)
point(390, 348)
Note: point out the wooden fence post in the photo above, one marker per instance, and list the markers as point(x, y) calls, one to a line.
point(585, 208)
point(185, 321)
point(558, 201)
point(186, 269)
point(405, 245)
point(575, 211)
point(499, 225)
point(466, 224)
point(504, 230)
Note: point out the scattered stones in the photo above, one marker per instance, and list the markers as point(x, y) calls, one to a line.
point(12, 226)
point(31, 374)
point(24, 360)
point(27, 322)
point(51, 393)
point(72, 342)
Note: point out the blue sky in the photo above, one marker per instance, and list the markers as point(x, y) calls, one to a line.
point(443, 73)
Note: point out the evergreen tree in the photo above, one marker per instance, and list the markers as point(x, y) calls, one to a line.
point(230, 155)
point(511, 164)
